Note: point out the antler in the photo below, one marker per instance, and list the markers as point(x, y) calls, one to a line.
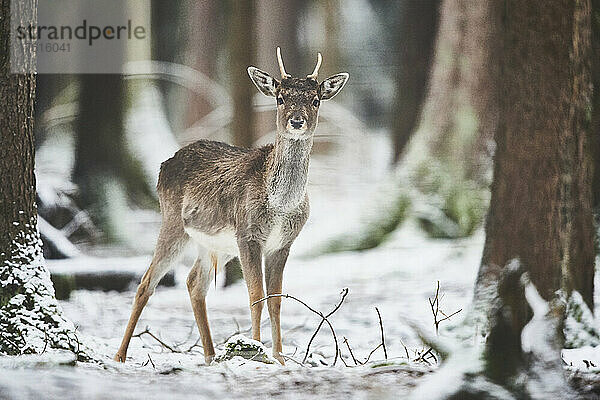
point(316, 71)
point(281, 67)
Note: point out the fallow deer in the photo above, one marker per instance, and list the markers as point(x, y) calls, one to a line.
point(237, 202)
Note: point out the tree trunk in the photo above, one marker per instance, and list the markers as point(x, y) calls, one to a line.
point(541, 205)
point(105, 171)
point(277, 22)
point(596, 102)
point(539, 241)
point(201, 52)
point(242, 49)
point(540, 209)
point(30, 317)
point(414, 46)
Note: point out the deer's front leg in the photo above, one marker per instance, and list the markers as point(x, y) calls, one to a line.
point(251, 260)
point(274, 264)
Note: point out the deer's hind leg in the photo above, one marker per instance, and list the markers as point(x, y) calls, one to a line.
point(198, 282)
point(171, 240)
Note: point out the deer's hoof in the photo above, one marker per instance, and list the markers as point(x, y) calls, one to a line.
point(279, 357)
point(209, 359)
point(119, 357)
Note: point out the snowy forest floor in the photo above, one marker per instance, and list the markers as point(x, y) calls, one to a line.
point(398, 277)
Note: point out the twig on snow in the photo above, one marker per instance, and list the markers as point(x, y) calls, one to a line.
point(371, 353)
point(356, 362)
point(382, 337)
point(149, 361)
point(435, 309)
point(405, 349)
point(324, 319)
point(153, 336)
point(342, 358)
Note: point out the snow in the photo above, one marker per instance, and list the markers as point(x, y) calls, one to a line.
point(31, 320)
point(539, 339)
point(580, 326)
point(396, 278)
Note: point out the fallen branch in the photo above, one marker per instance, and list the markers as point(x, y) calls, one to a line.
point(382, 338)
point(324, 319)
point(356, 362)
point(149, 361)
point(371, 353)
point(422, 358)
point(153, 336)
point(435, 309)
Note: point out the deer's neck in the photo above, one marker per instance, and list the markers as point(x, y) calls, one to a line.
point(287, 175)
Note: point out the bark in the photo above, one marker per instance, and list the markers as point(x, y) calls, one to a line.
point(202, 50)
point(30, 318)
point(460, 115)
point(448, 159)
point(540, 209)
point(17, 181)
point(170, 39)
point(242, 45)
point(596, 102)
point(277, 23)
point(418, 26)
point(539, 245)
point(103, 165)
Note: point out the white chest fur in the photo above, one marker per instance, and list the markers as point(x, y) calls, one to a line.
point(275, 239)
point(224, 241)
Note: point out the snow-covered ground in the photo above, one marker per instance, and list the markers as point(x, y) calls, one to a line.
point(397, 278)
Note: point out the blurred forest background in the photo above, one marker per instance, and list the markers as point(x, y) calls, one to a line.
point(420, 91)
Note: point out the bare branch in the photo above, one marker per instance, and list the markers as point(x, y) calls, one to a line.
point(356, 362)
point(435, 309)
point(382, 338)
point(324, 319)
point(405, 349)
point(153, 336)
point(371, 353)
point(149, 361)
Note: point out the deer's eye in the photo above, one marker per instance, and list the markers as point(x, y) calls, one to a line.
point(280, 100)
point(316, 102)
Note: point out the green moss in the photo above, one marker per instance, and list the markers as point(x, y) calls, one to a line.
point(242, 347)
point(464, 206)
point(461, 213)
point(376, 232)
point(63, 285)
point(7, 293)
point(383, 364)
point(455, 205)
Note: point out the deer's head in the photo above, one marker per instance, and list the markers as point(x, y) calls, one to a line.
point(298, 99)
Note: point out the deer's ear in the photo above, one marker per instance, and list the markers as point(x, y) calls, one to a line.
point(263, 81)
point(332, 85)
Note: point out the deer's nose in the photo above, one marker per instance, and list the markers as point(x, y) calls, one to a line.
point(297, 122)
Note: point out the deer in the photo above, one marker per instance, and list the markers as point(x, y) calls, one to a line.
point(237, 202)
